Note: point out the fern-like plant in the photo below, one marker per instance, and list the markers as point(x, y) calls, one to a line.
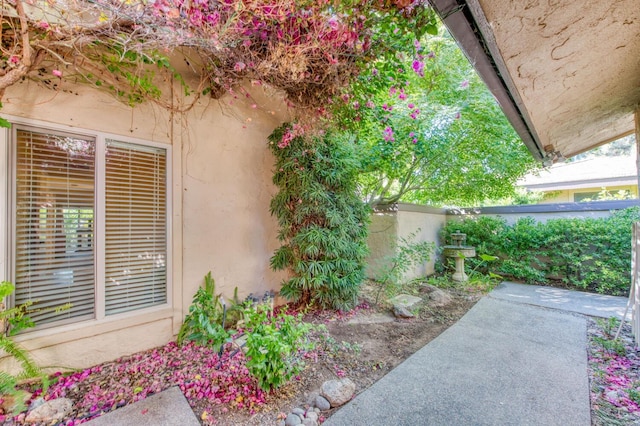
point(323, 223)
point(13, 320)
point(208, 319)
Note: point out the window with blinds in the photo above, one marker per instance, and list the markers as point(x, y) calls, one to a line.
point(135, 248)
point(57, 211)
point(54, 249)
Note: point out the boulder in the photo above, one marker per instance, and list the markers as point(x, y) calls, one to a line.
point(338, 392)
point(438, 298)
point(402, 312)
point(51, 411)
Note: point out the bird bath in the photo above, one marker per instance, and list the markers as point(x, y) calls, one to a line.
point(459, 252)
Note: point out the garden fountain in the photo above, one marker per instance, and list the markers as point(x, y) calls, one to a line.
point(459, 252)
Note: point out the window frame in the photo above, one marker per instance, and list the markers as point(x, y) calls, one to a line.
point(8, 214)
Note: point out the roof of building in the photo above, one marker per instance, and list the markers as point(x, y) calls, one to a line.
point(589, 173)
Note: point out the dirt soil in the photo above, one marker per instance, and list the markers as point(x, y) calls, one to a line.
point(369, 342)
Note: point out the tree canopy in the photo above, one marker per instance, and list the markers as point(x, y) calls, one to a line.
point(430, 132)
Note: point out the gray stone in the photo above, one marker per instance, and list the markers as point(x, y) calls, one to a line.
point(293, 420)
point(338, 392)
point(36, 403)
point(309, 422)
point(316, 409)
point(405, 300)
point(612, 396)
point(312, 415)
point(298, 411)
point(322, 403)
point(402, 312)
point(50, 411)
point(281, 423)
point(439, 298)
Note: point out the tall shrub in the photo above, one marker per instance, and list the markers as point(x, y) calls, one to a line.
point(323, 224)
point(591, 253)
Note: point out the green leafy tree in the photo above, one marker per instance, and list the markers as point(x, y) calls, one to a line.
point(429, 131)
point(323, 223)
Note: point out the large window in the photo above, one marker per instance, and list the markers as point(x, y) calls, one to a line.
point(90, 225)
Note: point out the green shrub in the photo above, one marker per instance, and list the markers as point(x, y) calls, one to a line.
point(323, 224)
point(203, 323)
point(275, 345)
point(591, 254)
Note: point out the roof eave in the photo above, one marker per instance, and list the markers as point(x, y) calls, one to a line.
point(466, 22)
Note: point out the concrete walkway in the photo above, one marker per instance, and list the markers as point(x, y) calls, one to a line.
point(509, 361)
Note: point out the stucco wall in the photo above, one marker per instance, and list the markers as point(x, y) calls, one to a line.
point(226, 192)
point(389, 227)
point(425, 225)
point(381, 242)
point(221, 189)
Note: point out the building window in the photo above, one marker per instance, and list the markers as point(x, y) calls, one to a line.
point(584, 196)
point(103, 251)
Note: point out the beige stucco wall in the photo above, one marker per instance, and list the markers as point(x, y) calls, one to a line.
point(387, 229)
point(425, 225)
point(383, 231)
point(226, 194)
point(221, 189)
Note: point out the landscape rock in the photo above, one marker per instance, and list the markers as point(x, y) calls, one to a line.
point(312, 415)
point(439, 298)
point(322, 403)
point(298, 411)
point(405, 301)
point(293, 420)
point(50, 411)
point(338, 392)
point(402, 312)
point(309, 422)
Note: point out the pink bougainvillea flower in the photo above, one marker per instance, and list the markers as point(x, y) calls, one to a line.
point(411, 106)
point(464, 84)
point(57, 73)
point(457, 116)
point(402, 96)
point(415, 141)
point(356, 105)
point(388, 135)
point(44, 25)
point(431, 55)
point(392, 90)
point(370, 104)
point(387, 107)
point(14, 59)
point(416, 44)
point(239, 66)
point(414, 114)
point(418, 67)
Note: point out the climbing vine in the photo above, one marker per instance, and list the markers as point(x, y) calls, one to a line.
point(310, 50)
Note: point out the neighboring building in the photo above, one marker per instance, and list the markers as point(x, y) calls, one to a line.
point(121, 212)
point(584, 179)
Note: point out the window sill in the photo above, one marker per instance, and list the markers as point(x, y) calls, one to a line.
point(44, 338)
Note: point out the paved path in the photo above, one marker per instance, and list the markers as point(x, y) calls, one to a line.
point(508, 361)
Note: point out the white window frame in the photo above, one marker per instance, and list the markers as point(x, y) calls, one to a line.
point(7, 214)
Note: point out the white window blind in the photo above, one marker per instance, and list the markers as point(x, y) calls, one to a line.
point(54, 247)
point(135, 228)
